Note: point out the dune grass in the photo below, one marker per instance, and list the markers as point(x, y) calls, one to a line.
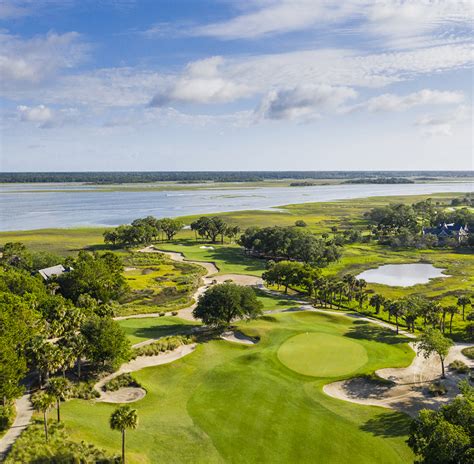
point(233, 403)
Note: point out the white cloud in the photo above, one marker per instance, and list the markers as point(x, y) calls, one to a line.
point(45, 117)
point(402, 21)
point(303, 102)
point(201, 82)
point(391, 102)
point(40, 115)
point(444, 124)
point(276, 16)
point(220, 80)
point(25, 62)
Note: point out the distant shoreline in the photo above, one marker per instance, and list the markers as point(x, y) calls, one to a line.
point(185, 178)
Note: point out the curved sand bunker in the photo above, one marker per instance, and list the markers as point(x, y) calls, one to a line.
point(238, 337)
point(405, 390)
point(130, 394)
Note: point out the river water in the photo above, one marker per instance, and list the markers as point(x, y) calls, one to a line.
point(38, 206)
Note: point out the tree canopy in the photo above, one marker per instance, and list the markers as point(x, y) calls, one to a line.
point(223, 303)
point(289, 243)
point(446, 436)
point(94, 274)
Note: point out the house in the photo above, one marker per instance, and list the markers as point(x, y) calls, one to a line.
point(52, 271)
point(444, 231)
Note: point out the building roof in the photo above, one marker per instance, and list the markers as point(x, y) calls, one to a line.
point(446, 229)
point(52, 271)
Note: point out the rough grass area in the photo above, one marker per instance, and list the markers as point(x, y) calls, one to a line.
point(158, 284)
point(227, 402)
point(59, 241)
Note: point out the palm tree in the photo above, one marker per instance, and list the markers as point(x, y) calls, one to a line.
point(350, 280)
point(396, 309)
point(463, 301)
point(376, 301)
point(451, 310)
point(444, 311)
point(341, 289)
point(42, 402)
point(121, 419)
point(58, 388)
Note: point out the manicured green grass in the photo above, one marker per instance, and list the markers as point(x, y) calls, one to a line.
point(139, 330)
point(228, 402)
point(230, 259)
point(322, 355)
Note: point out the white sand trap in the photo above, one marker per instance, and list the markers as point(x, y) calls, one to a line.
point(239, 279)
point(204, 247)
point(407, 392)
point(137, 364)
point(123, 395)
point(238, 337)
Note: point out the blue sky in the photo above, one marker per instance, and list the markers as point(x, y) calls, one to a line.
point(232, 85)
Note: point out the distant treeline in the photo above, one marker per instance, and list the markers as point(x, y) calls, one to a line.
point(381, 180)
point(215, 176)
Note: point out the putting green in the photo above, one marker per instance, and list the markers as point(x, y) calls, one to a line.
point(322, 355)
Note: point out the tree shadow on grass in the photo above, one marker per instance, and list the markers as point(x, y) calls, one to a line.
point(163, 330)
point(389, 424)
point(363, 330)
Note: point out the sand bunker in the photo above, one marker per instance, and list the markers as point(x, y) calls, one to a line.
point(406, 389)
point(238, 337)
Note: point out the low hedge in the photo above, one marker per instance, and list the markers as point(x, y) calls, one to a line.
point(163, 344)
point(121, 381)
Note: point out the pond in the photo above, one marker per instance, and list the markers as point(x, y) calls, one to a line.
point(402, 275)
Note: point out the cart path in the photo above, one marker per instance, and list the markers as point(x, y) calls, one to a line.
point(24, 411)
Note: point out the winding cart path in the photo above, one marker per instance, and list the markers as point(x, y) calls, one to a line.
point(24, 411)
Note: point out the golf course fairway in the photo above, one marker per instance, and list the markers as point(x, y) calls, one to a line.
point(233, 403)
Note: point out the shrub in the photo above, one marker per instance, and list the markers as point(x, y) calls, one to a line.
point(84, 391)
point(162, 314)
point(7, 413)
point(31, 447)
point(300, 223)
point(121, 381)
point(437, 389)
point(459, 366)
point(469, 352)
point(174, 313)
point(163, 344)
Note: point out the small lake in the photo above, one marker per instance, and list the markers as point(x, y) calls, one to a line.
point(402, 275)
